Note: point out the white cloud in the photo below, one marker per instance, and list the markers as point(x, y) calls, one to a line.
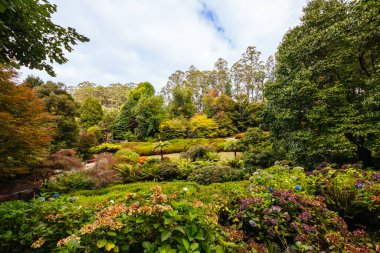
point(147, 40)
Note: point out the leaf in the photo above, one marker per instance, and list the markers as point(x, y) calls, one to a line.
point(194, 246)
point(146, 245)
point(165, 235)
point(116, 249)
point(180, 229)
point(219, 249)
point(109, 246)
point(101, 243)
point(185, 243)
point(111, 233)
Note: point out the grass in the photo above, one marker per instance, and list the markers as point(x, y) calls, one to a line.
point(208, 194)
point(175, 146)
point(176, 156)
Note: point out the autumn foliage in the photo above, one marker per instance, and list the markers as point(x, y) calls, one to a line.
point(25, 127)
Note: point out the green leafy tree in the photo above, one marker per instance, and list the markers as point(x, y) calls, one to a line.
point(149, 113)
point(61, 104)
point(326, 97)
point(29, 38)
point(126, 122)
point(91, 112)
point(225, 123)
point(181, 104)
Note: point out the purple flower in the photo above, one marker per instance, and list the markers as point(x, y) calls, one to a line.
point(270, 188)
point(298, 187)
point(276, 209)
point(252, 223)
point(304, 216)
point(308, 228)
point(240, 214)
point(287, 216)
point(266, 211)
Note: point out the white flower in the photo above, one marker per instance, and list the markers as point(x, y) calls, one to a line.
point(111, 201)
point(185, 189)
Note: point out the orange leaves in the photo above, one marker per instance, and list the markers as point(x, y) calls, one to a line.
point(25, 127)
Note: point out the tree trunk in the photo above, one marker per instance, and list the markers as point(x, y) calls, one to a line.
point(364, 154)
point(235, 154)
point(162, 155)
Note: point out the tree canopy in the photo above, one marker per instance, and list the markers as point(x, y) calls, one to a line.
point(326, 97)
point(26, 128)
point(29, 38)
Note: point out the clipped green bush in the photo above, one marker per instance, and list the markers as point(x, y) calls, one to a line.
point(105, 148)
point(215, 174)
point(127, 156)
point(68, 182)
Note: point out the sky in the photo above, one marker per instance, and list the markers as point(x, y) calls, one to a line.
point(148, 40)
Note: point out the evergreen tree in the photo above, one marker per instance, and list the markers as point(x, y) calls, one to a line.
point(91, 112)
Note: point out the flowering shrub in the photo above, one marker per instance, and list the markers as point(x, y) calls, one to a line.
point(142, 223)
point(290, 218)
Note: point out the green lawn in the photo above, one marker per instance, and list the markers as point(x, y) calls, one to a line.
point(117, 193)
point(222, 155)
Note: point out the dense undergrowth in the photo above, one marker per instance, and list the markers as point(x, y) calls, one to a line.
point(281, 209)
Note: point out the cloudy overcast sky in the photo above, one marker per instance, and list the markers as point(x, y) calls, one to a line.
point(147, 40)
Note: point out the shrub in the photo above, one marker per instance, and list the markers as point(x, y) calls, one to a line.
point(64, 159)
point(200, 127)
point(215, 174)
point(173, 128)
point(127, 156)
point(105, 148)
point(68, 182)
point(95, 130)
point(294, 221)
point(197, 152)
point(104, 171)
point(86, 141)
point(165, 224)
point(169, 172)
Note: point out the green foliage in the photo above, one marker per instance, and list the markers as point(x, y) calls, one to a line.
point(198, 152)
point(325, 97)
point(70, 181)
point(91, 112)
point(86, 142)
point(95, 130)
point(258, 151)
point(105, 148)
point(161, 146)
point(215, 174)
point(111, 96)
point(181, 104)
point(149, 115)
point(173, 128)
point(126, 122)
point(30, 38)
point(61, 104)
point(226, 126)
point(127, 156)
point(175, 145)
point(201, 127)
